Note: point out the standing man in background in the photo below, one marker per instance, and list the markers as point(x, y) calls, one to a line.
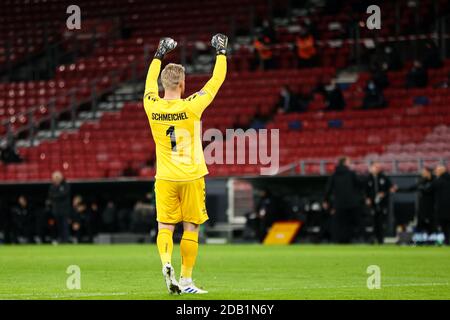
point(441, 189)
point(378, 189)
point(426, 220)
point(23, 220)
point(59, 197)
point(344, 189)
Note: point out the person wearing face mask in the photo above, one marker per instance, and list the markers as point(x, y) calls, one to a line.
point(374, 97)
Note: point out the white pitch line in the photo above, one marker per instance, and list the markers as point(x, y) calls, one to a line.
point(100, 294)
point(57, 296)
point(431, 284)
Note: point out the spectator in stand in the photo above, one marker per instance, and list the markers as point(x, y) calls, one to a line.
point(441, 190)
point(268, 31)
point(378, 189)
point(306, 49)
point(431, 58)
point(23, 226)
point(288, 100)
point(392, 58)
point(310, 26)
point(9, 154)
point(344, 190)
point(81, 221)
point(258, 121)
point(373, 98)
point(264, 54)
point(379, 76)
point(334, 97)
point(417, 77)
point(59, 197)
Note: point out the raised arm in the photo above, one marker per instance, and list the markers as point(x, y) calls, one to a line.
point(220, 43)
point(151, 83)
point(218, 77)
point(201, 99)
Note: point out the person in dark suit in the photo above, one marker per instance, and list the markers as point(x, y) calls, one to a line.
point(378, 189)
point(81, 221)
point(441, 189)
point(59, 197)
point(344, 190)
point(426, 219)
point(268, 210)
point(23, 220)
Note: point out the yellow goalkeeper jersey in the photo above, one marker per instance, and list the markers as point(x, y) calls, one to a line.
point(175, 125)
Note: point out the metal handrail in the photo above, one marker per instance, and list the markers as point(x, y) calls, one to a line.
point(291, 169)
point(54, 114)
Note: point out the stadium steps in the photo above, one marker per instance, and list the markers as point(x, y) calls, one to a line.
point(114, 102)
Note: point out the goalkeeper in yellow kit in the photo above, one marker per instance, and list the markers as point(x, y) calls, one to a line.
point(180, 163)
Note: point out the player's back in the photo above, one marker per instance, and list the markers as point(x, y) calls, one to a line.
point(175, 125)
point(176, 131)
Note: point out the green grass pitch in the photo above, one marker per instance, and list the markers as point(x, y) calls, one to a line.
point(228, 272)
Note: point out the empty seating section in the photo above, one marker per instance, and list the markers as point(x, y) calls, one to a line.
point(364, 135)
point(98, 150)
point(139, 16)
point(27, 26)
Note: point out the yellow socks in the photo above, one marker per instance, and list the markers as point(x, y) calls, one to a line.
point(164, 242)
point(188, 246)
point(189, 250)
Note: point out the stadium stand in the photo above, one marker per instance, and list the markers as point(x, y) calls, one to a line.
point(101, 148)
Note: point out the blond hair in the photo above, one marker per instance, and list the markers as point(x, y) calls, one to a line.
point(172, 75)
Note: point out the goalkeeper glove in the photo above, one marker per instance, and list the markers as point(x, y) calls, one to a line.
point(165, 46)
point(220, 42)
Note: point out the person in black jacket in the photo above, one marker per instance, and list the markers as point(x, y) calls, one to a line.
point(60, 201)
point(417, 77)
point(426, 220)
point(344, 190)
point(23, 225)
point(266, 210)
point(9, 154)
point(81, 221)
point(378, 189)
point(441, 189)
point(334, 97)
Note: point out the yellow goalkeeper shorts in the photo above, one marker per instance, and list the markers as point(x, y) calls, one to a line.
point(178, 201)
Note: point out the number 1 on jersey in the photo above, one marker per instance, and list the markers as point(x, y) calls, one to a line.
point(173, 140)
